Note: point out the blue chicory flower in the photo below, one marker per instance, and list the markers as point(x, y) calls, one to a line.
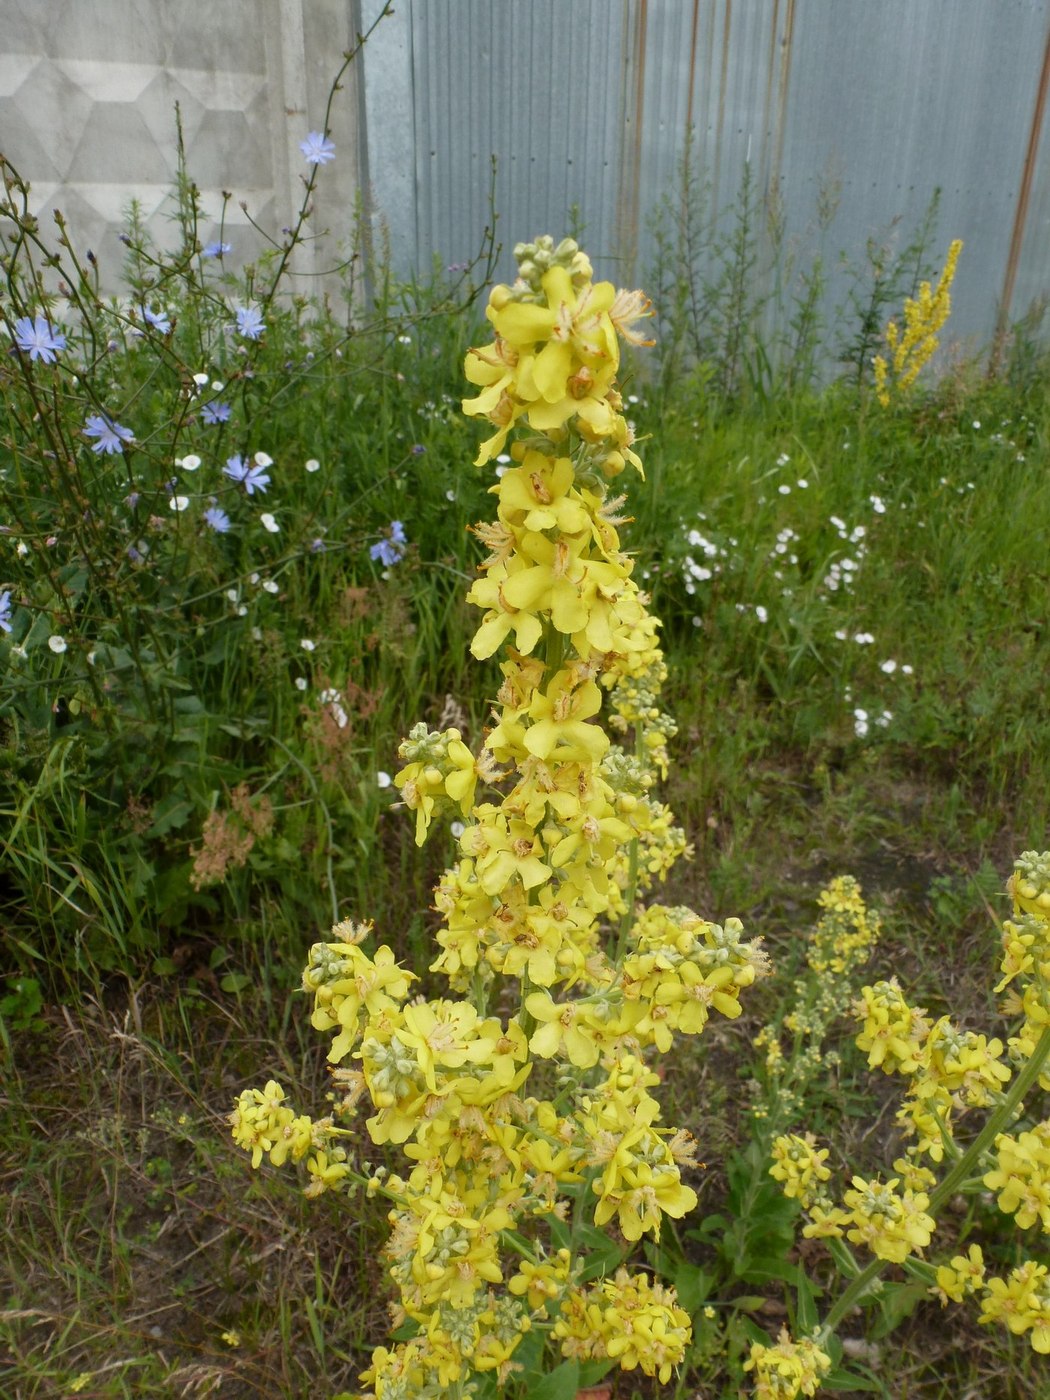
point(217, 519)
point(215, 412)
point(215, 249)
point(247, 474)
point(5, 610)
point(250, 323)
point(38, 338)
point(390, 551)
point(317, 148)
point(109, 436)
point(157, 319)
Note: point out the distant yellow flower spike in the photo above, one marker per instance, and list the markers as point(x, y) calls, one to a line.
point(924, 317)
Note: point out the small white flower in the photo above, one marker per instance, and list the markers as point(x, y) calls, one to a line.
point(383, 780)
point(242, 611)
point(802, 484)
point(263, 459)
point(256, 634)
point(178, 503)
point(783, 459)
point(218, 385)
point(92, 657)
point(976, 422)
point(254, 578)
point(307, 644)
point(457, 829)
point(21, 549)
point(888, 666)
point(883, 720)
point(188, 464)
point(271, 586)
point(232, 594)
point(784, 489)
point(450, 495)
point(404, 340)
point(841, 635)
point(313, 465)
point(200, 380)
point(864, 639)
point(697, 622)
point(761, 613)
point(503, 458)
point(301, 682)
point(907, 670)
point(267, 521)
point(57, 644)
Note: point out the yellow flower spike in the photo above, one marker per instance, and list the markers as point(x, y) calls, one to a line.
point(924, 318)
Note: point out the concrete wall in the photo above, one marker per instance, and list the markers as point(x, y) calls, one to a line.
point(88, 90)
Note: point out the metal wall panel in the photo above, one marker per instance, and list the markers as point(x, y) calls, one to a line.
point(589, 102)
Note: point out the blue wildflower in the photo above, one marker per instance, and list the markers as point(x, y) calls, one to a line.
point(217, 519)
point(390, 551)
point(215, 412)
point(38, 339)
point(5, 610)
point(317, 148)
point(157, 319)
point(251, 475)
point(215, 249)
point(109, 436)
point(250, 323)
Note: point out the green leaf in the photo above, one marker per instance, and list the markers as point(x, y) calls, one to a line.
point(235, 982)
point(560, 1384)
point(807, 1319)
point(602, 1254)
point(692, 1285)
point(896, 1302)
point(169, 814)
point(849, 1380)
point(164, 967)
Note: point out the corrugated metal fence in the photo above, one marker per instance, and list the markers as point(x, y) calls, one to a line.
point(587, 106)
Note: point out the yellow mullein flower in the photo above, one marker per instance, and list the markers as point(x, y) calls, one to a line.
point(1022, 1303)
point(893, 1033)
point(643, 1325)
point(1022, 1176)
point(787, 1368)
point(503, 850)
point(964, 1275)
point(347, 984)
point(541, 1281)
point(1030, 884)
point(798, 1164)
point(892, 1223)
point(924, 317)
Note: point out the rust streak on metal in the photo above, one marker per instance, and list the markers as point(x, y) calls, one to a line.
point(785, 75)
point(767, 106)
point(722, 84)
point(1021, 209)
point(692, 65)
point(631, 160)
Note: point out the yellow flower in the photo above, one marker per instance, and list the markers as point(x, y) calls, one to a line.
point(787, 1368)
